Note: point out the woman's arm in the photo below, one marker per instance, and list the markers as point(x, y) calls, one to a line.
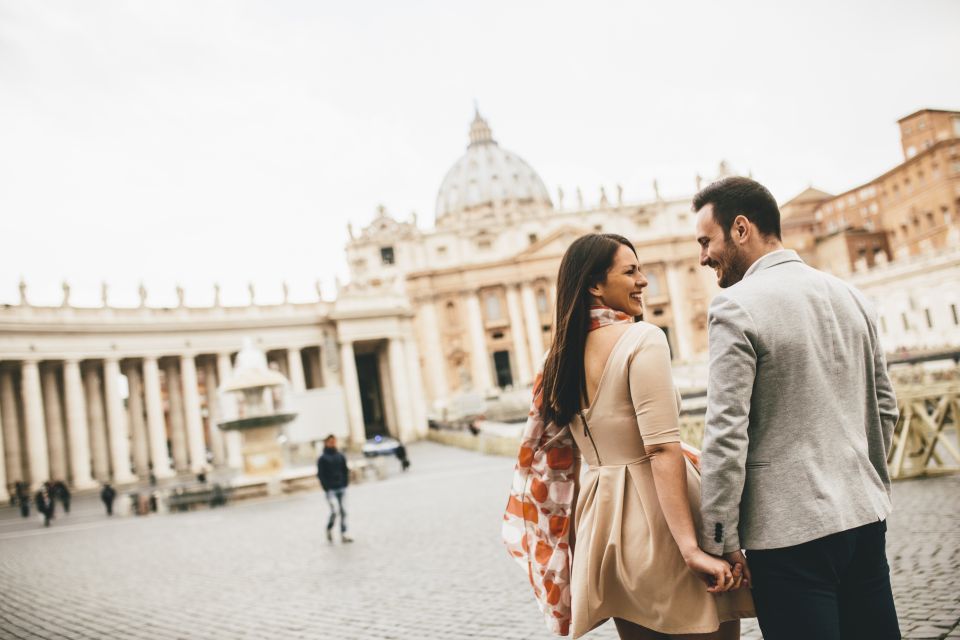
point(655, 403)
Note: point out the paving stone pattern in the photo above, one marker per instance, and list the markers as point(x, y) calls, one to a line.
point(427, 564)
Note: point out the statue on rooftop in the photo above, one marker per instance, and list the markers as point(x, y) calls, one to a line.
point(23, 292)
point(142, 292)
point(180, 295)
point(216, 294)
point(66, 294)
point(104, 294)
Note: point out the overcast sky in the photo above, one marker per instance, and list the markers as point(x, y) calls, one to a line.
point(200, 141)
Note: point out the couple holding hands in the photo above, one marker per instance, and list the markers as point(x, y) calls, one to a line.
point(782, 515)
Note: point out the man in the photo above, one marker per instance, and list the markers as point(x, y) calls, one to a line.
point(334, 478)
point(108, 494)
point(800, 416)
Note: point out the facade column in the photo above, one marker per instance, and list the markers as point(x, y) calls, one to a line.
point(399, 377)
point(36, 429)
point(416, 388)
point(196, 443)
point(534, 329)
point(138, 426)
point(156, 427)
point(232, 439)
point(11, 427)
point(517, 333)
point(56, 444)
point(98, 427)
point(295, 367)
point(78, 432)
point(479, 358)
point(4, 494)
point(117, 425)
point(681, 324)
point(217, 444)
point(387, 395)
point(351, 392)
point(433, 350)
point(178, 437)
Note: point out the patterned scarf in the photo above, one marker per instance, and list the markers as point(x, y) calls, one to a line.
point(536, 523)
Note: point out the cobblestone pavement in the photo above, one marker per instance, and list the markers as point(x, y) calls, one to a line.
point(427, 563)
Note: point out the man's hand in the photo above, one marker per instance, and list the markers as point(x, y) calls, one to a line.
point(737, 558)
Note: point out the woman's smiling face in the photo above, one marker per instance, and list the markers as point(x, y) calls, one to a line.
point(623, 285)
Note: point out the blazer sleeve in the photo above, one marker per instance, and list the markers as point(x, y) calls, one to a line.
point(887, 404)
point(652, 392)
point(733, 350)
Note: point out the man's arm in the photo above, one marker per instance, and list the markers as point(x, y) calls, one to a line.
point(733, 368)
point(321, 475)
point(887, 404)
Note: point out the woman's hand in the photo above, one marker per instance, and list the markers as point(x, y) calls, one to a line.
point(717, 573)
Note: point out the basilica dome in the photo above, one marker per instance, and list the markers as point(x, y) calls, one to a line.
point(487, 175)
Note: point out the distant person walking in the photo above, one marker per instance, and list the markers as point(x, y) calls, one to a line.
point(62, 493)
point(401, 453)
point(108, 494)
point(334, 478)
point(22, 496)
point(45, 503)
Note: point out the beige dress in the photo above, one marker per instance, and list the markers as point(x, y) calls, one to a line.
point(625, 561)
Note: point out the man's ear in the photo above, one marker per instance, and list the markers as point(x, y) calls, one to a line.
point(740, 230)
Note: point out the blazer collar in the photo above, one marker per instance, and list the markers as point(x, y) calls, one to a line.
point(772, 259)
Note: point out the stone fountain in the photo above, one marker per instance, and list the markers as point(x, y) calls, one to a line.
point(253, 399)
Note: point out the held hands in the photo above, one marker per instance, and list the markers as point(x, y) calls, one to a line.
point(719, 574)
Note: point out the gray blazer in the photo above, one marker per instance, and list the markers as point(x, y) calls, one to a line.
point(800, 410)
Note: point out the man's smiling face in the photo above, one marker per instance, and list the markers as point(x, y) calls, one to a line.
point(718, 251)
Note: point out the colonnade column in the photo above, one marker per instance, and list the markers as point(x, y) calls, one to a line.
point(98, 427)
point(78, 432)
point(517, 333)
point(36, 430)
point(479, 358)
point(416, 388)
point(433, 350)
point(11, 427)
point(399, 374)
point(117, 423)
point(210, 383)
point(232, 438)
point(57, 449)
point(351, 392)
point(387, 394)
point(4, 495)
point(178, 437)
point(681, 324)
point(138, 426)
point(534, 329)
point(196, 443)
point(295, 368)
point(156, 429)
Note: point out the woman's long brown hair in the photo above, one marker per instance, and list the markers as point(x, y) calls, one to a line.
point(584, 265)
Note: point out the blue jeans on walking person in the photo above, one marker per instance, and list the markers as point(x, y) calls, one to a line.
point(335, 500)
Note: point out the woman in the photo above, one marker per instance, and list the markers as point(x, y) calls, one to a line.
point(606, 392)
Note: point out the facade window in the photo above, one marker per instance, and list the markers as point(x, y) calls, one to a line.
point(484, 244)
point(441, 251)
point(542, 304)
point(930, 219)
point(492, 304)
point(532, 237)
point(926, 312)
point(599, 227)
point(386, 255)
point(653, 284)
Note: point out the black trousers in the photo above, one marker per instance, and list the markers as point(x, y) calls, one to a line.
point(832, 588)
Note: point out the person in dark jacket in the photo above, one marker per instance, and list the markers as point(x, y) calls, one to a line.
point(334, 478)
point(107, 494)
point(22, 493)
point(62, 493)
point(44, 503)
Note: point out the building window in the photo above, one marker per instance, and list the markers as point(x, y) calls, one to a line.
point(484, 244)
point(930, 219)
point(653, 284)
point(386, 255)
point(599, 227)
point(492, 303)
point(542, 305)
point(441, 251)
point(532, 237)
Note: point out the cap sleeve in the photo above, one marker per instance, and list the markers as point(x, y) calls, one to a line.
point(652, 391)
